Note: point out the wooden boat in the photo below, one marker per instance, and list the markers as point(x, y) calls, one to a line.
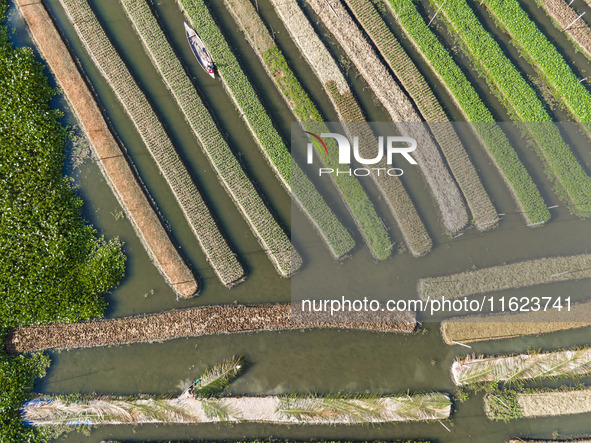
point(200, 51)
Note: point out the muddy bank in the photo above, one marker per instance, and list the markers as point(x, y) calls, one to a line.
point(191, 322)
point(112, 163)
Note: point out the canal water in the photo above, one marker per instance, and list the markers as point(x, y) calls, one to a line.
point(298, 361)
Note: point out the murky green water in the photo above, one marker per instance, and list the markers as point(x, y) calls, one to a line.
point(322, 361)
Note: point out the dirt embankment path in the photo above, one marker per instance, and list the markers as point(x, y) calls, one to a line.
point(191, 322)
point(111, 160)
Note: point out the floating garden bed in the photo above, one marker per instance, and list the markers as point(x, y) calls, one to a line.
point(341, 409)
point(191, 322)
point(497, 145)
point(443, 187)
point(515, 275)
point(110, 157)
point(491, 370)
point(271, 143)
point(522, 102)
point(507, 405)
point(220, 256)
point(567, 19)
point(271, 237)
point(324, 66)
point(544, 56)
point(483, 212)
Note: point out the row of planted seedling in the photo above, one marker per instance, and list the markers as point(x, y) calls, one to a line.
point(268, 139)
point(400, 109)
point(231, 174)
point(198, 215)
point(522, 102)
point(306, 112)
point(497, 145)
point(325, 67)
point(543, 55)
point(483, 212)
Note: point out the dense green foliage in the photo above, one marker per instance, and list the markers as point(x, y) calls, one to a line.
point(545, 57)
point(521, 99)
point(17, 375)
point(502, 405)
point(52, 266)
point(304, 109)
point(265, 228)
point(268, 138)
point(474, 109)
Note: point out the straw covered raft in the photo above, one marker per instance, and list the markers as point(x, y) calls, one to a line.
point(566, 363)
point(111, 160)
point(191, 322)
point(267, 409)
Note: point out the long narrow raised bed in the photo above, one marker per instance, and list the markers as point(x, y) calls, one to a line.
point(334, 410)
point(544, 57)
point(511, 368)
point(192, 322)
point(306, 111)
point(270, 142)
point(220, 256)
point(545, 403)
point(511, 276)
point(273, 240)
point(496, 143)
point(324, 66)
point(483, 212)
point(523, 104)
point(401, 110)
point(112, 163)
point(570, 22)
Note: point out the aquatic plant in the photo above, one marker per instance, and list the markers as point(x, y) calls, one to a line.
point(265, 228)
point(483, 212)
point(219, 255)
point(523, 104)
point(217, 378)
point(496, 143)
point(270, 142)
